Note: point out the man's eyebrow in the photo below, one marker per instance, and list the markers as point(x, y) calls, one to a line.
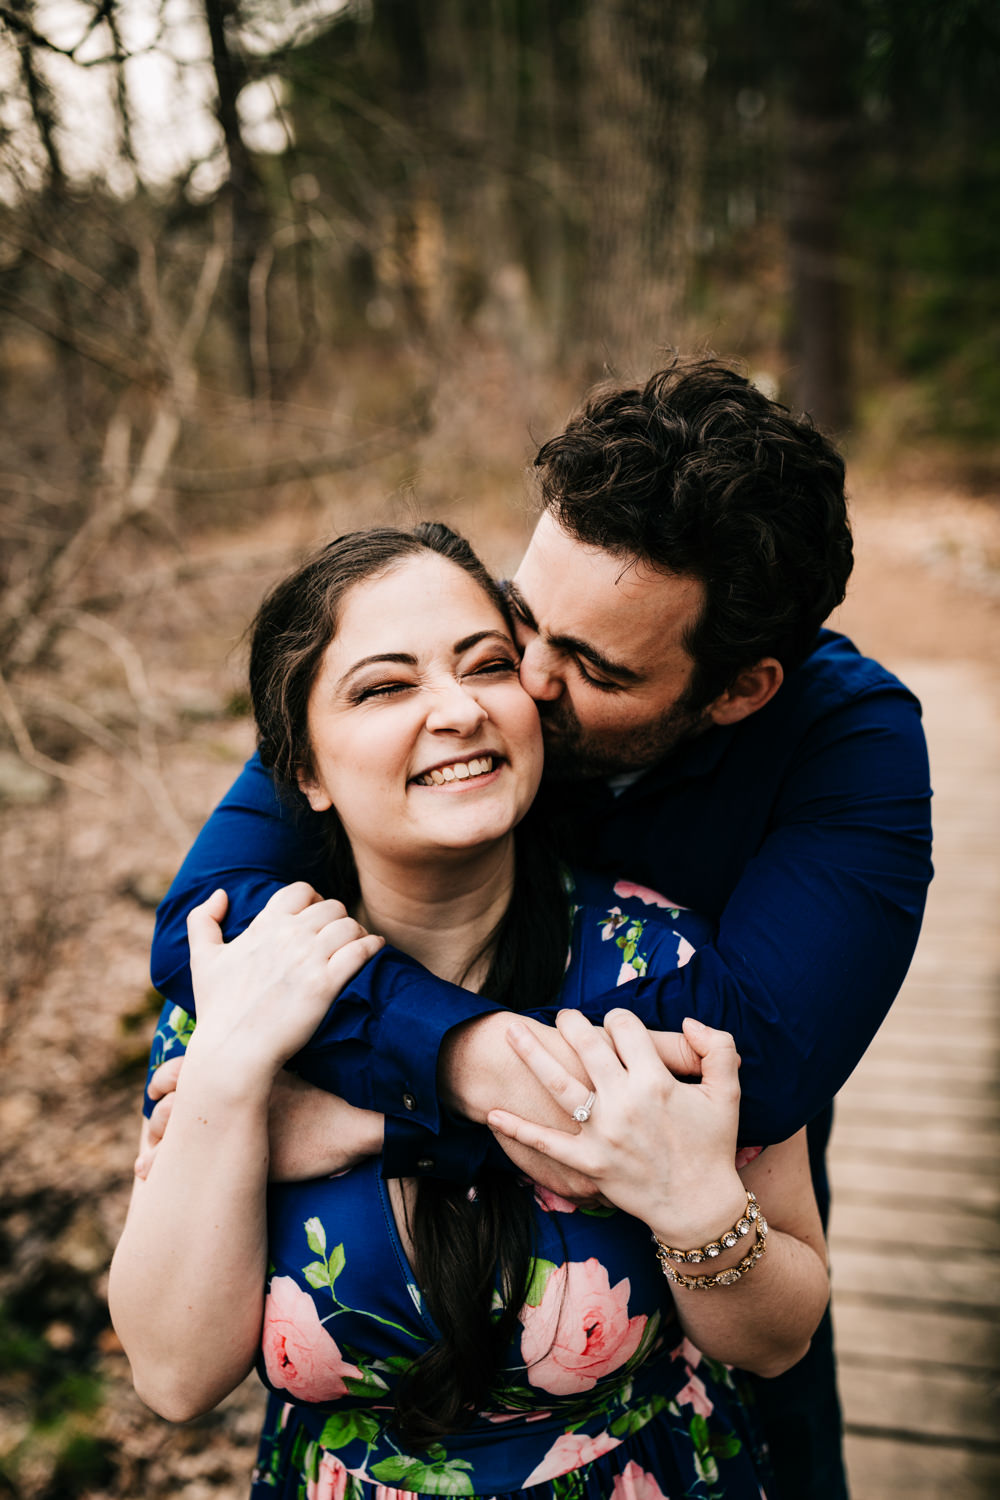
point(590, 653)
point(573, 643)
point(517, 602)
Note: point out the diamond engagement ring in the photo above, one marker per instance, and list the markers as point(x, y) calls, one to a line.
point(582, 1111)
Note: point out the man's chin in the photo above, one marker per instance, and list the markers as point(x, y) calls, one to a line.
point(566, 760)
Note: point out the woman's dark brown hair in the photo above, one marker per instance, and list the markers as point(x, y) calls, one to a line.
point(463, 1244)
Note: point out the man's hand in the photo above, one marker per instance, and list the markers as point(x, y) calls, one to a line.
point(478, 1071)
point(312, 1133)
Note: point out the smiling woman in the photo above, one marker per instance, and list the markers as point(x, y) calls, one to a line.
point(394, 734)
point(434, 1337)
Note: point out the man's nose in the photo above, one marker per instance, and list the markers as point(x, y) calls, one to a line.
point(541, 671)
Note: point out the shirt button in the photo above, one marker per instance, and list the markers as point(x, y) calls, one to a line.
point(409, 1102)
point(425, 1164)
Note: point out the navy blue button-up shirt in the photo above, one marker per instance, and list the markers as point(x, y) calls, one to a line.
point(802, 833)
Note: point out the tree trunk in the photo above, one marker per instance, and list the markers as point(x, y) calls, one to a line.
point(820, 139)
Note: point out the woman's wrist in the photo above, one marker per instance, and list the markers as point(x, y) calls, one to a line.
point(702, 1216)
point(224, 1073)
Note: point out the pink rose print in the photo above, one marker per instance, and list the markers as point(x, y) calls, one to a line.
point(299, 1354)
point(580, 1331)
point(745, 1155)
point(685, 952)
point(626, 974)
point(627, 888)
point(571, 1451)
point(694, 1394)
point(331, 1483)
point(634, 1483)
point(551, 1202)
point(688, 1353)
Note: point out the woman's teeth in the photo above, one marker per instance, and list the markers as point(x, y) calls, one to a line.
point(462, 770)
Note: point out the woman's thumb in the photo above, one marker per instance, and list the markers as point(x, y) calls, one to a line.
point(720, 1061)
point(203, 921)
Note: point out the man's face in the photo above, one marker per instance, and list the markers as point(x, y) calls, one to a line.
point(603, 654)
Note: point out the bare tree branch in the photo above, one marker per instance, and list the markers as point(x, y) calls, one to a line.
point(149, 779)
point(11, 715)
point(280, 471)
point(71, 338)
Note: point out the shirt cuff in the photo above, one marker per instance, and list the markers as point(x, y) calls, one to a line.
point(456, 1153)
point(378, 1046)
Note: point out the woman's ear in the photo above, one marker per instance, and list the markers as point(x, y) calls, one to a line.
point(753, 688)
point(316, 795)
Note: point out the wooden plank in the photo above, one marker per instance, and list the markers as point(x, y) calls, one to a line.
point(969, 1280)
point(941, 1049)
point(896, 1225)
point(882, 1468)
point(937, 1054)
point(874, 1103)
point(933, 1137)
point(883, 1071)
point(927, 1402)
point(914, 1336)
point(945, 1186)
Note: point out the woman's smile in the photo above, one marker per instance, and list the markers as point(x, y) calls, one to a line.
point(462, 775)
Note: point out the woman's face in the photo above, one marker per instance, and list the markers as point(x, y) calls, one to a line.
point(422, 737)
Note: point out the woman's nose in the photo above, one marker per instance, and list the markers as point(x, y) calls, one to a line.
point(541, 670)
point(455, 710)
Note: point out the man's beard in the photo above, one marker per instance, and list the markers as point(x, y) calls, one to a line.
point(573, 753)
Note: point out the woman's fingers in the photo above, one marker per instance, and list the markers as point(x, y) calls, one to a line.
point(566, 1090)
point(164, 1079)
point(676, 1053)
point(633, 1044)
point(351, 959)
point(319, 914)
point(294, 898)
point(152, 1134)
point(720, 1062)
point(571, 1150)
point(336, 934)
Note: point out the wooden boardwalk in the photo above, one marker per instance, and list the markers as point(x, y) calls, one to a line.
point(915, 1159)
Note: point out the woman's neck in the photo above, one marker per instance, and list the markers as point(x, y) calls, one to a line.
point(444, 915)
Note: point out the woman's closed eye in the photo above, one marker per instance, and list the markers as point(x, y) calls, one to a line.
point(376, 690)
point(497, 666)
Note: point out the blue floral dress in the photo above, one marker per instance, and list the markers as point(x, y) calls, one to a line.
point(600, 1397)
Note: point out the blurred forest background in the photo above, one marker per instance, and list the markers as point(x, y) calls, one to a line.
point(270, 269)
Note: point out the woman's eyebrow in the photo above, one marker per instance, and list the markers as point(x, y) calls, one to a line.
point(401, 658)
point(468, 641)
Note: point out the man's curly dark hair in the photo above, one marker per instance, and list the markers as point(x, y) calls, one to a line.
point(698, 473)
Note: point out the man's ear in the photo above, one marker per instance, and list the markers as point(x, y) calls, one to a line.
point(317, 796)
point(753, 688)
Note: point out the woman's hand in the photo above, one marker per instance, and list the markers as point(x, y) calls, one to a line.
point(311, 1133)
point(661, 1150)
point(261, 996)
